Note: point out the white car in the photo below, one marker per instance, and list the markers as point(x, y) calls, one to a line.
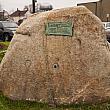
point(8, 28)
point(107, 29)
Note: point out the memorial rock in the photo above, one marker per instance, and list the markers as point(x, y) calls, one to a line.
point(59, 57)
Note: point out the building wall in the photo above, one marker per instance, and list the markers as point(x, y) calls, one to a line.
point(101, 9)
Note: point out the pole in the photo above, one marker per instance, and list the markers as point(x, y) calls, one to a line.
point(101, 10)
point(96, 9)
point(33, 6)
point(107, 17)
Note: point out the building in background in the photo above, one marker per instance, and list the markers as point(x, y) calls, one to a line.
point(100, 8)
point(4, 15)
point(40, 7)
point(18, 15)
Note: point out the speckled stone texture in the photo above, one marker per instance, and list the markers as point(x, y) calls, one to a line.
point(58, 69)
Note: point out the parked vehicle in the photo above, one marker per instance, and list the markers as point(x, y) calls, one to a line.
point(1, 32)
point(8, 28)
point(107, 29)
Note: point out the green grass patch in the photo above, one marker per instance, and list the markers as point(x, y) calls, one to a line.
point(5, 43)
point(7, 104)
point(3, 48)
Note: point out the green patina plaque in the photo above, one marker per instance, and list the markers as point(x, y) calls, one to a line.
point(59, 28)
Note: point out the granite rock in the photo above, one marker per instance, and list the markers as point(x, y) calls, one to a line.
point(58, 69)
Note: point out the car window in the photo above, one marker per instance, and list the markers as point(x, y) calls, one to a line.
point(10, 24)
point(108, 25)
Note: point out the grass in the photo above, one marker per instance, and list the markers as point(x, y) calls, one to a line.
point(7, 104)
point(3, 48)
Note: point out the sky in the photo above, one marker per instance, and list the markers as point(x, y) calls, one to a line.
point(10, 5)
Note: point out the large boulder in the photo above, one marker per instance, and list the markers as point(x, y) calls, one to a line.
point(58, 57)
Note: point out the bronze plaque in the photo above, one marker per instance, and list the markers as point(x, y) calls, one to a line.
point(59, 28)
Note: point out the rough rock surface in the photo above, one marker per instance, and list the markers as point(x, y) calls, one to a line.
point(58, 69)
